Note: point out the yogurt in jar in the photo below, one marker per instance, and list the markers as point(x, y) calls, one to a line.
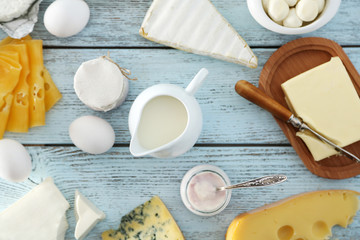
point(202, 192)
point(199, 190)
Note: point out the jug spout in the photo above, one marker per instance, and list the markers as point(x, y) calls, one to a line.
point(136, 149)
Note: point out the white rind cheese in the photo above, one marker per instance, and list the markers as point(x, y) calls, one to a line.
point(100, 84)
point(325, 98)
point(196, 26)
point(40, 215)
point(11, 9)
point(87, 216)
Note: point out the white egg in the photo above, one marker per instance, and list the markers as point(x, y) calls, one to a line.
point(15, 161)
point(65, 18)
point(92, 134)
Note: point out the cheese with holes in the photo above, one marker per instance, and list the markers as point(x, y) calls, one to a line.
point(36, 83)
point(151, 220)
point(306, 216)
point(87, 215)
point(40, 215)
point(52, 93)
point(5, 106)
point(19, 114)
point(325, 98)
point(196, 26)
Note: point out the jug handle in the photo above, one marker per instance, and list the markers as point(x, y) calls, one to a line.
point(197, 81)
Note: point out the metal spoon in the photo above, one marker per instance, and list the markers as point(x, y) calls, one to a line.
point(259, 182)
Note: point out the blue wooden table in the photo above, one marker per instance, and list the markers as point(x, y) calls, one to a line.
point(237, 136)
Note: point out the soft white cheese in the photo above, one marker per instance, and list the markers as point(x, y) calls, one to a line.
point(196, 26)
point(12, 9)
point(87, 216)
point(100, 84)
point(40, 215)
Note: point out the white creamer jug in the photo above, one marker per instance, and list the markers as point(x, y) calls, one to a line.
point(165, 120)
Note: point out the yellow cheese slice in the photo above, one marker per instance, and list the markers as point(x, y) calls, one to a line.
point(36, 83)
point(19, 115)
point(151, 220)
point(10, 69)
point(52, 93)
point(5, 106)
point(307, 216)
point(325, 98)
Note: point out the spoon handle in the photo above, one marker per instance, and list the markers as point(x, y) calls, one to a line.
point(259, 182)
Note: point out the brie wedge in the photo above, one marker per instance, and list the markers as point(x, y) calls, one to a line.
point(10, 10)
point(40, 215)
point(197, 27)
point(86, 214)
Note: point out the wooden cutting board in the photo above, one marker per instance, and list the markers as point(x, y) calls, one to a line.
point(290, 60)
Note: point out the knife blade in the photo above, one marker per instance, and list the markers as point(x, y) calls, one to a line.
point(255, 95)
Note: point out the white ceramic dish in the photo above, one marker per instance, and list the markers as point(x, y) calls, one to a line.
point(257, 11)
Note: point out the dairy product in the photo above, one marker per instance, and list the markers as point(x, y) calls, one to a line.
point(325, 98)
point(306, 216)
point(151, 220)
point(40, 215)
point(203, 194)
point(197, 27)
point(163, 119)
point(13, 9)
point(87, 215)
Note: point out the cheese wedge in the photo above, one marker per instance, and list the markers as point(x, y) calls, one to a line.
point(196, 26)
point(19, 114)
point(40, 215)
point(306, 216)
point(52, 93)
point(151, 220)
point(87, 216)
point(325, 98)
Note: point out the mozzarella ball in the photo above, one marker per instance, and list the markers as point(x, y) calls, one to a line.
point(65, 18)
point(265, 4)
point(321, 4)
point(291, 3)
point(15, 161)
point(278, 10)
point(92, 134)
point(292, 20)
point(307, 10)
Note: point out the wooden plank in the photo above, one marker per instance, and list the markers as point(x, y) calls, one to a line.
point(116, 183)
point(228, 118)
point(116, 23)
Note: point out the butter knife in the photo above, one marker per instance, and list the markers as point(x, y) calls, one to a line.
point(255, 95)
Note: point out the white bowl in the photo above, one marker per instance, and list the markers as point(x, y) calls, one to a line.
point(257, 11)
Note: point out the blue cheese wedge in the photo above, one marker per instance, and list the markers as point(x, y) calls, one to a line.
point(149, 221)
point(87, 215)
point(40, 215)
point(196, 26)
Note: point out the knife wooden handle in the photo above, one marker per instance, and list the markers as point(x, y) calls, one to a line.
point(255, 95)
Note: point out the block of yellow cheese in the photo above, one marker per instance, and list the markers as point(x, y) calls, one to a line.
point(19, 114)
point(306, 216)
point(151, 220)
point(325, 98)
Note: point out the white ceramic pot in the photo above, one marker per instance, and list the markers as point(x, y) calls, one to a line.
point(192, 131)
point(257, 11)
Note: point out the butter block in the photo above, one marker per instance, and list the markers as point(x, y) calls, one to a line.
point(151, 220)
point(306, 216)
point(325, 98)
